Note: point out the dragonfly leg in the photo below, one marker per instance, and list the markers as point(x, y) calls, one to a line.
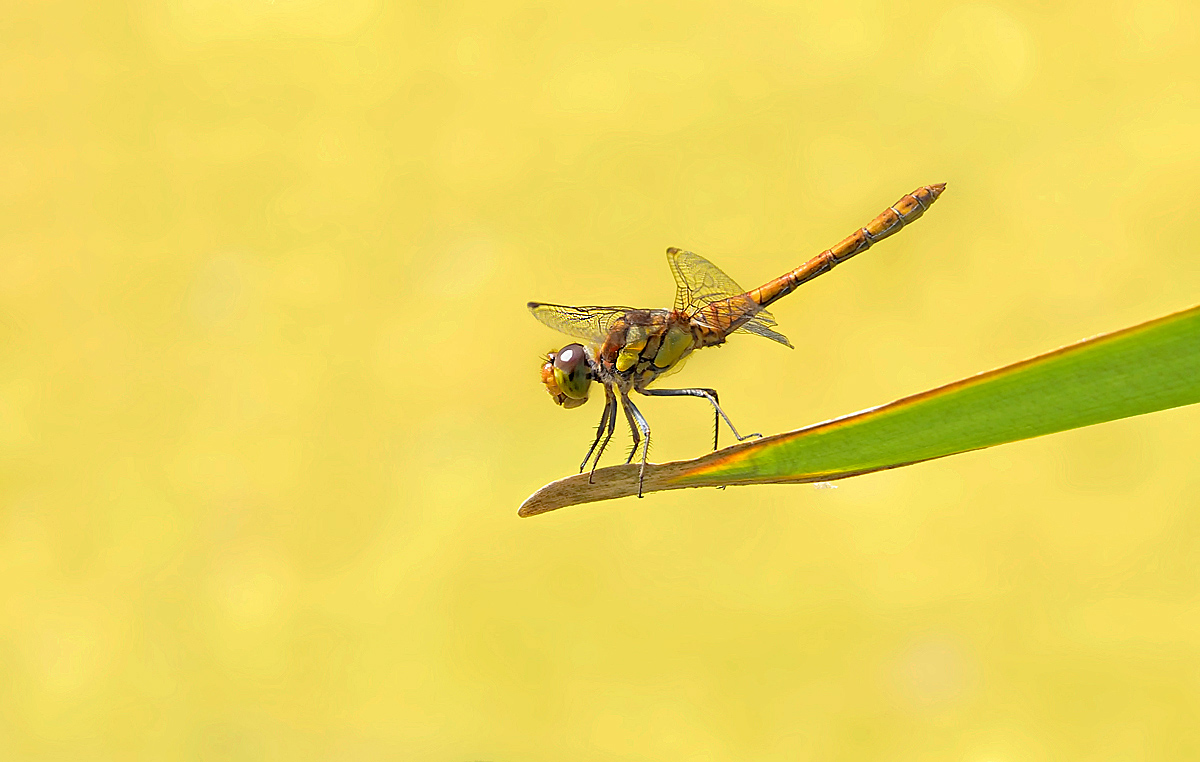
point(633, 428)
point(610, 416)
point(708, 394)
point(637, 423)
point(609, 410)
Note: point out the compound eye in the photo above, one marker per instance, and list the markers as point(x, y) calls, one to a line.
point(569, 358)
point(571, 371)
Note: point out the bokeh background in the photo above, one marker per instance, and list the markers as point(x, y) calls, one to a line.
point(269, 394)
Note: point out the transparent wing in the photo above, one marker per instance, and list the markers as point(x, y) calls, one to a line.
point(587, 323)
point(699, 283)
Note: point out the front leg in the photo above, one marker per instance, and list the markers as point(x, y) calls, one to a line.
point(609, 410)
point(610, 416)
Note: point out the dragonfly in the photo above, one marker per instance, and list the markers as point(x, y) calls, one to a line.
point(627, 349)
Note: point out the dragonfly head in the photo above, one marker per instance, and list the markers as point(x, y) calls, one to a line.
point(567, 374)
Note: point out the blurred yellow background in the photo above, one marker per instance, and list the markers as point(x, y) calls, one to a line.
point(270, 397)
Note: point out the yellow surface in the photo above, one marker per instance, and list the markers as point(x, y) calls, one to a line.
point(269, 396)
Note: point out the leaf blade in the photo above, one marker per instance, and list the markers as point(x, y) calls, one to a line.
point(1145, 368)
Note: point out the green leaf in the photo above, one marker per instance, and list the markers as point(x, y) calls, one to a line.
point(1138, 370)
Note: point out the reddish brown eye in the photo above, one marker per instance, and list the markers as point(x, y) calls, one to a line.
point(569, 358)
point(571, 371)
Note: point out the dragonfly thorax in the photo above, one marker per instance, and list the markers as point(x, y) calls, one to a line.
point(644, 345)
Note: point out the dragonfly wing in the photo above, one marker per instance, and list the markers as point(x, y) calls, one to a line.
point(761, 325)
point(699, 283)
point(591, 324)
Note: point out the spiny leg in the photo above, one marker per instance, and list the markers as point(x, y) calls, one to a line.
point(610, 409)
point(610, 404)
point(708, 394)
point(716, 420)
point(637, 423)
point(633, 427)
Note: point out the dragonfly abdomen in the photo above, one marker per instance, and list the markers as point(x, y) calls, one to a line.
point(905, 211)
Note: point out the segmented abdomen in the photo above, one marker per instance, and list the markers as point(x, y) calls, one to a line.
point(730, 314)
point(891, 221)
